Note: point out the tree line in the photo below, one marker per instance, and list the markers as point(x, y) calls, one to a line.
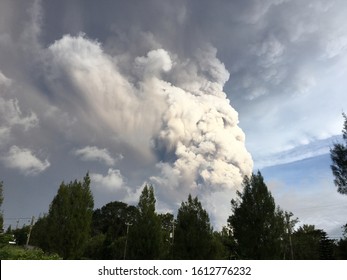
point(256, 229)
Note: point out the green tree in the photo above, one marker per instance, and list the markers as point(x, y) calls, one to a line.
point(310, 243)
point(95, 248)
point(342, 245)
point(193, 232)
point(221, 246)
point(229, 244)
point(21, 235)
point(5, 237)
point(284, 227)
point(39, 234)
point(167, 227)
point(112, 218)
point(258, 227)
point(110, 226)
point(69, 219)
point(326, 247)
point(145, 236)
point(338, 156)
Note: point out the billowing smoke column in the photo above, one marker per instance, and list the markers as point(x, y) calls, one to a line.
point(172, 110)
point(199, 139)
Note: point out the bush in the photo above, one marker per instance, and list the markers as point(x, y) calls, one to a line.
point(14, 252)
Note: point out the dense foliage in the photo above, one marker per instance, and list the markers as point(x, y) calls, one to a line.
point(145, 234)
point(193, 233)
point(109, 230)
point(66, 228)
point(10, 252)
point(312, 244)
point(258, 227)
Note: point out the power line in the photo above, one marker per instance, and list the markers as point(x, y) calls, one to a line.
point(16, 222)
point(327, 205)
point(24, 218)
point(321, 206)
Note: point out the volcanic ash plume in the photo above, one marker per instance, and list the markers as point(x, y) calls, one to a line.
point(174, 110)
point(199, 141)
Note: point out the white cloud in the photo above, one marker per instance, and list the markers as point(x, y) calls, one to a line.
point(112, 181)
point(314, 202)
point(112, 104)
point(289, 83)
point(93, 153)
point(4, 81)
point(25, 161)
point(218, 206)
point(4, 134)
point(11, 115)
point(336, 47)
point(308, 149)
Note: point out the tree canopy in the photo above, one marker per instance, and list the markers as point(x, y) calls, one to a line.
point(69, 219)
point(312, 244)
point(258, 227)
point(145, 235)
point(338, 156)
point(193, 232)
point(109, 230)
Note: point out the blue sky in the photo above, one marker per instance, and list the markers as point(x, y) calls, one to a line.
point(189, 96)
point(306, 189)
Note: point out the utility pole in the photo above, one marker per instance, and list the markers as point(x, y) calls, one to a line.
point(126, 240)
point(173, 237)
point(290, 236)
point(31, 227)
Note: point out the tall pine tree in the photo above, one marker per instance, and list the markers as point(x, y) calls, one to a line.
point(145, 236)
point(193, 232)
point(312, 244)
point(167, 228)
point(255, 221)
point(69, 219)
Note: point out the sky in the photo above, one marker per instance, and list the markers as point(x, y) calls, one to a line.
point(189, 96)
